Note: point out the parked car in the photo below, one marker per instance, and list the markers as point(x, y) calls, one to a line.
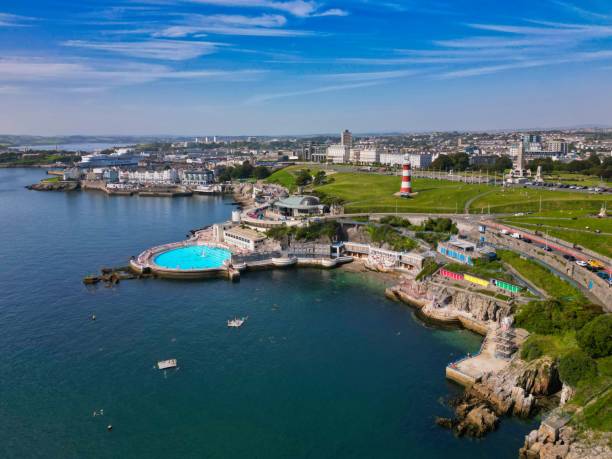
point(584, 264)
point(595, 264)
point(604, 275)
point(569, 257)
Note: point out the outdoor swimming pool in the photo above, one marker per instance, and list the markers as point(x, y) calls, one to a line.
point(193, 257)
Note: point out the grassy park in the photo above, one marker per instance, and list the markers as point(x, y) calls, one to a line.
point(509, 200)
point(376, 193)
point(367, 192)
point(577, 227)
point(364, 192)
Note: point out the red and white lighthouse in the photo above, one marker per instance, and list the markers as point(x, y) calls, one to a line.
point(406, 189)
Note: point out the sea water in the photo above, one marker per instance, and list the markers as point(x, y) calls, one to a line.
point(325, 366)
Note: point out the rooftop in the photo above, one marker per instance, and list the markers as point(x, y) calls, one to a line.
point(298, 202)
point(465, 245)
point(246, 233)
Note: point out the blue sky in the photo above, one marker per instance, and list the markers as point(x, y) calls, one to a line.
point(302, 66)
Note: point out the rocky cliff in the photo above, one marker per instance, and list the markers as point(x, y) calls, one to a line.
point(438, 297)
point(565, 443)
point(480, 307)
point(514, 390)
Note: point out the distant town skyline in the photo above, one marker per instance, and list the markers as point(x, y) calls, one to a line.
point(300, 67)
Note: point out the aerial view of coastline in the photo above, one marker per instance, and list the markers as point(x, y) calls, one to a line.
point(306, 229)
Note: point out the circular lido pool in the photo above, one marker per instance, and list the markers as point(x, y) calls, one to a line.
point(193, 257)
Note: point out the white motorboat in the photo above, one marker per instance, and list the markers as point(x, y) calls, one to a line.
point(165, 364)
point(236, 322)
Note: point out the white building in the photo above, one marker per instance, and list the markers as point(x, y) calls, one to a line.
point(559, 146)
point(391, 159)
point(364, 155)
point(417, 160)
point(420, 160)
point(196, 177)
point(338, 154)
point(244, 238)
point(153, 177)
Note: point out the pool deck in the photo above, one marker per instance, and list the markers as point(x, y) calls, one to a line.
point(145, 262)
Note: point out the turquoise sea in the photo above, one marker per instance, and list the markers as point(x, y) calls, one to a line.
point(325, 366)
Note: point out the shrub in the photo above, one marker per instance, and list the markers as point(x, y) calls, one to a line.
point(303, 178)
point(439, 225)
point(576, 366)
point(396, 221)
point(596, 336)
point(429, 268)
point(386, 234)
point(531, 350)
point(553, 316)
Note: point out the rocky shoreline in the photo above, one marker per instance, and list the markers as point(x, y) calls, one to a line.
point(520, 388)
point(55, 186)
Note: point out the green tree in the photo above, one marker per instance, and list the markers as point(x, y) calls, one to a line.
point(576, 366)
point(261, 172)
point(531, 349)
point(442, 162)
point(303, 178)
point(319, 178)
point(596, 336)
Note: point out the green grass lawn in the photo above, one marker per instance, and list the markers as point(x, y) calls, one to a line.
point(576, 179)
point(576, 227)
point(375, 193)
point(528, 200)
point(541, 277)
point(286, 177)
point(366, 192)
point(283, 177)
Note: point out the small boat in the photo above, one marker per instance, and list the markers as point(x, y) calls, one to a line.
point(236, 322)
point(165, 364)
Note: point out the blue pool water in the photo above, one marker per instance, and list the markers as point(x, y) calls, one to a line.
point(193, 257)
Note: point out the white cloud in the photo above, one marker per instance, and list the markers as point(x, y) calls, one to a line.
point(79, 75)
point(174, 50)
point(305, 92)
point(300, 8)
point(267, 25)
point(6, 89)
point(487, 70)
point(372, 76)
point(580, 11)
point(13, 20)
point(332, 12)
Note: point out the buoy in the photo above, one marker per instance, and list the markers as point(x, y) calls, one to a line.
point(109, 427)
point(93, 317)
